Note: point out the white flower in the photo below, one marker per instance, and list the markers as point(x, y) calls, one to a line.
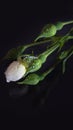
point(15, 71)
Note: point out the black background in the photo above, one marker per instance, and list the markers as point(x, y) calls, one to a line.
point(21, 22)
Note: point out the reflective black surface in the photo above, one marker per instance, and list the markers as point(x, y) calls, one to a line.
point(55, 93)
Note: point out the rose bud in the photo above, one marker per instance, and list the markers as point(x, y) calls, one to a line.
point(15, 71)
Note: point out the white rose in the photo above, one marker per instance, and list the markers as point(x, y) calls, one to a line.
point(15, 71)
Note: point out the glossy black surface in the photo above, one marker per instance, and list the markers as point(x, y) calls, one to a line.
point(19, 25)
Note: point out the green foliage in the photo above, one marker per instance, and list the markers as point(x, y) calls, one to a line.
point(11, 54)
point(50, 30)
point(37, 63)
point(64, 56)
point(34, 63)
point(34, 79)
point(14, 53)
point(31, 79)
point(60, 25)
